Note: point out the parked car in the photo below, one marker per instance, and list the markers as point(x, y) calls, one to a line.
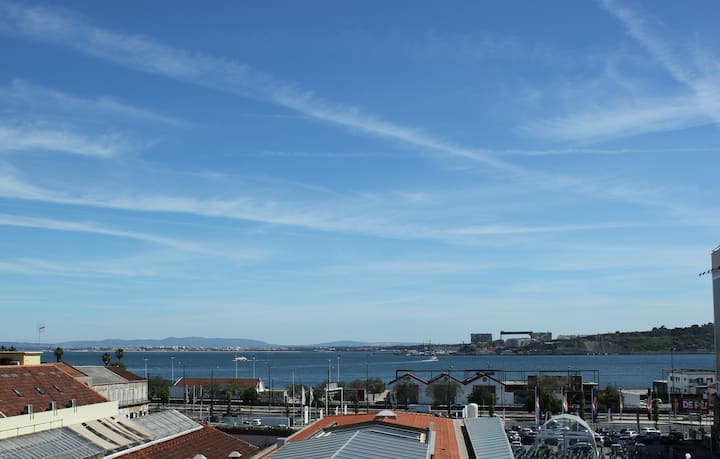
point(649, 433)
point(627, 434)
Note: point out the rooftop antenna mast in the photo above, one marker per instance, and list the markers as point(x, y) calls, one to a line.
point(40, 329)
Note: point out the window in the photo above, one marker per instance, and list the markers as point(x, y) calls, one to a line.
point(17, 392)
point(57, 388)
point(40, 389)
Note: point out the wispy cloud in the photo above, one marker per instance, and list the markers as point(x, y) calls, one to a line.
point(39, 267)
point(55, 26)
point(700, 75)
point(505, 230)
point(695, 103)
point(621, 121)
point(32, 138)
point(32, 96)
point(93, 228)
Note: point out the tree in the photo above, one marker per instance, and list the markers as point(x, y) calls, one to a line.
point(159, 389)
point(106, 358)
point(548, 401)
point(482, 395)
point(119, 353)
point(655, 408)
point(406, 393)
point(376, 385)
point(443, 392)
point(356, 403)
point(59, 353)
point(250, 396)
point(609, 398)
point(228, 402)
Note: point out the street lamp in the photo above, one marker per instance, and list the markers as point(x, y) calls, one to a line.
point(672, 375)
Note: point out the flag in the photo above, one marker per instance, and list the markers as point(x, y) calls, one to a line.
point(595, 404)
point(310, 395)
point(302, 397)
point(622, 405)
point(649, 404)
point(537, 408)
point(564, 403)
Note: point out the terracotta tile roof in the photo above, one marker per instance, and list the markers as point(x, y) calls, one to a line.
point(208, 441)
point(248, 382)
point(68, 369)
point(39, 385)
point(446, 446)
point(124, 373)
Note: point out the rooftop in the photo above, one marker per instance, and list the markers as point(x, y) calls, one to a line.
point(445, 442)
point(39, 386)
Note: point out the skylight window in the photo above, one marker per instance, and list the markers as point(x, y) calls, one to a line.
point(17, 392)
point(40, 389)
point(57, 388)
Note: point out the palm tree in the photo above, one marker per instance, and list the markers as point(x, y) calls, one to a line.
point(119, 354)
point(106, 358)
point(59, 353)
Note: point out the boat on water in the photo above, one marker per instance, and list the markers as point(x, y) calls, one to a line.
point(433, 358)
point(240, 358)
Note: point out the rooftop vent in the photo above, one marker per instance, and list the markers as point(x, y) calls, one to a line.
point(29, 409)
point(386, 414)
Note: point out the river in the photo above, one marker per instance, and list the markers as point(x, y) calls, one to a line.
point(277, 368)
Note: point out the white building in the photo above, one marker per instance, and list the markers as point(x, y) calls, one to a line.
point(690, 382)
point(412, 389)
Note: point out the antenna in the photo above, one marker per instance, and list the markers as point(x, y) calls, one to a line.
point(40, 329)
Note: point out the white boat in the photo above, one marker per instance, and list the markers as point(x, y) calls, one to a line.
point(240, 359)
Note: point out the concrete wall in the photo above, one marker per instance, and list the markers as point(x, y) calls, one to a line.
point(46, 420)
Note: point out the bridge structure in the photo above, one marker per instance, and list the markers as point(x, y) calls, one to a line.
point(504, 333)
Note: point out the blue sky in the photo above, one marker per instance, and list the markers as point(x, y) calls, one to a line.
point(299, 172)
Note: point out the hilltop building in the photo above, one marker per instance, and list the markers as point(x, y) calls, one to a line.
point(481, 338)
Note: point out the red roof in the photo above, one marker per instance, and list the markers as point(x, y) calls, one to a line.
point(68, 369)
point(39, 386)
point(446, 446)
point(208, 441)
point(130, 376)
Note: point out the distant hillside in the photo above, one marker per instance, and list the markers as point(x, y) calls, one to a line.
point(696, 338)
point(190, 341)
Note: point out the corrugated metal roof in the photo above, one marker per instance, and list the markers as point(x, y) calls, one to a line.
point(371, 442)
point(167, 423)
point(488, 438)
point(59, 443)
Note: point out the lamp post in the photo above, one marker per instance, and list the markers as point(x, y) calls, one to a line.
point(172, 368)
point(338, 370)
point(367, 385)
point(146, 373)
point(672, 375)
